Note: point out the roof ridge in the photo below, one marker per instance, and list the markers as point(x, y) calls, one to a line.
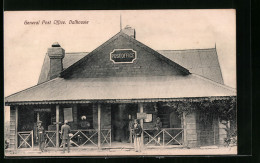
point(215, 83)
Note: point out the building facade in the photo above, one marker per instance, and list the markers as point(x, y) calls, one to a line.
point(100, 92)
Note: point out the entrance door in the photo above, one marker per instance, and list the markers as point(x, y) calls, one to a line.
point(121, 114)
point(45, 117)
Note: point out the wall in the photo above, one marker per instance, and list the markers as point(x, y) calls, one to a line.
point(222, 133)
point(191, 129)
point(199, 133)
point(12, 127)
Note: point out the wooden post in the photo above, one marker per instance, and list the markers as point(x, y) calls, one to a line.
point(99, 126)
point(184, 130)
point(141, 107)
point(163, 137)
point(38, 116)
point(32, 140)
point(57, 125)
point(16, 127)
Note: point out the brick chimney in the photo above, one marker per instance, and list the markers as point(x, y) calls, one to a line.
point(129, 31)
point(56, 54)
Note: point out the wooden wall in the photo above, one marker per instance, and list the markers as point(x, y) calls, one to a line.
point(191, 130)
point(13, 129)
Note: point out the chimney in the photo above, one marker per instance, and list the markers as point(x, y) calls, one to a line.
point(129, 31)
point(56, 54)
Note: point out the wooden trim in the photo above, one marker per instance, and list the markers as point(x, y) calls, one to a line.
point(99, 126)
point(190, 99)
point(141, 108)
point(57, 125)
point(184, 129)
point(16, 127)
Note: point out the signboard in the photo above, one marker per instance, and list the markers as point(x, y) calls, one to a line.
point(149, 118)
point(42, 110)
point(123, 55)
point(68, 114)
point(141, 115)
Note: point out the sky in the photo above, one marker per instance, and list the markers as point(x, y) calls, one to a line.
point(25, 45)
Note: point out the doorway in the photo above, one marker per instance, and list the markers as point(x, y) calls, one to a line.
point(45, 117)
point(121, 114)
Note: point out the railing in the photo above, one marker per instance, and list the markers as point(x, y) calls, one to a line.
point(168, 136)
point(106, 136)
point(82, 138)
point(25, 139)
point(50, 139)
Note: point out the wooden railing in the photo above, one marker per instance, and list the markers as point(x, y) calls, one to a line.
point(82, 138)
point(168, 136)
point(106, 136)
point(25, 139)
point(50, 139)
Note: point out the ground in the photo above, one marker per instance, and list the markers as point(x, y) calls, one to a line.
point(128, 152)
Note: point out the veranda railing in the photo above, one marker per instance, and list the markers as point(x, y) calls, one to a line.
point(168, 136)
point(25, 139)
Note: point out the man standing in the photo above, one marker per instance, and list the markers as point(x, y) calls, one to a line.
point(137, 136)
point(40, 135)
point(130, 128)
point(65, 130)
point(157, 130)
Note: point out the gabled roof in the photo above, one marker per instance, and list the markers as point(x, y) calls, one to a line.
point(134, 41)
point(120, 88)
point(203, 62)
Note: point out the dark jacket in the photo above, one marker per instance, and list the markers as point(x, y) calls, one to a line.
point(41, 134)
point(65, 130)
point(138, 130)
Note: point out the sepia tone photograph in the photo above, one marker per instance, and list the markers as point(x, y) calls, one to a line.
point(120, 83)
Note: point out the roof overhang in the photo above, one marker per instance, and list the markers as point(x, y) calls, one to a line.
point(59, 102)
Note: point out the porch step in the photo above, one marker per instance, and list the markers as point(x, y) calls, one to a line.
point(116, 150)
point(209, 147)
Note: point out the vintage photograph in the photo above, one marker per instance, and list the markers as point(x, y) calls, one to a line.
point(120, 83)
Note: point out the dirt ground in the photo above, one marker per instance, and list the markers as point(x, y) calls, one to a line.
point(126, 152)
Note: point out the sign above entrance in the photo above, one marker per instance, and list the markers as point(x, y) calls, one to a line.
point(123, 55)
point(141, 115)
point(42, 110)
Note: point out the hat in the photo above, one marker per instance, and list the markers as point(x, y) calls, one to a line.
point(158, 118)
point(66, 121)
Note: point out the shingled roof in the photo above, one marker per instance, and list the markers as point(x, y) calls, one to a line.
point(203, 62)
point(68, 60)
point(156, 88)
